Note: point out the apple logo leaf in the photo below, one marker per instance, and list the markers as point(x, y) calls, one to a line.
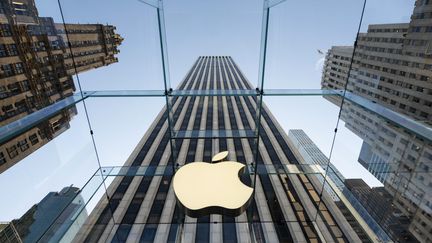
point(220, 156)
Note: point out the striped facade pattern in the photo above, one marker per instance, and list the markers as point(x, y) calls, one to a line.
point(284, 209)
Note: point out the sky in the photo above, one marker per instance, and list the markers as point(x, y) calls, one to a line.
point(297, 30)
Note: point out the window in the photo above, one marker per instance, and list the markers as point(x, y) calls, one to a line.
point(23, 145)
point(423, 78)
point(14, 88)
point(21, 105)
point(3, 92)
point(34, 139)
point(2, 158)
point(5, 30)
point(7, 108)
point(423, 114)
point(3, 50)
point(416, 29)
point(19, 68)
point(12, 151)
point(12, 49)
point(7, 70)
point(25, 85)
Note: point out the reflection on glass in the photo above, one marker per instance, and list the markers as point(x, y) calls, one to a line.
point(57, 211)
point(38, 59)
point(299, 195)
point(392, 68)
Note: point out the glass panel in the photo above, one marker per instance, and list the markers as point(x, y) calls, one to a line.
point(297, 92)
point(125, 93)
point(391, 156)
point(114, 46)
point(118, 131)
point(47, 165)
point(296, 49)
point(215, 134)
point(214, 93)
point(216, 36)
point(72, 217)
point(29, 121)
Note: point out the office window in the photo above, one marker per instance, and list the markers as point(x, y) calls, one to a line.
point(12, 151)
point(3, 92)
point(12, 50)
point(19, 68)
point(14, 88)
point(5, 30)
point(20, 8)
point(34, 139)
point(424, 78)
point(23, 145)
point(2, 158)
point(3, 50)
point(25, 85)
point(7, 70)
point(21, 105)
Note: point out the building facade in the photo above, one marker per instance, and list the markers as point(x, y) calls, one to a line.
point(392, 67)
point(285, 205)
point(378, 202)
point(50, 220)
point(309, 153)
point(8, 233)
point(36, 68)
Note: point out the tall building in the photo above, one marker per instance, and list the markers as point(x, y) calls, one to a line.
point(50, 220)
point(36, 68)
point(378, 203)
point(309, 153)
point(8, 233)
point(286, 206)
point(392, 67)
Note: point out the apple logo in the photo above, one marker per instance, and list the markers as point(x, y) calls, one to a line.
point(203, 188)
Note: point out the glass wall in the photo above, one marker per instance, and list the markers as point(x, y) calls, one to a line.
point(103, 102)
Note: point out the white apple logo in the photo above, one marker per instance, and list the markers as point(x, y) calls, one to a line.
point(203, 188)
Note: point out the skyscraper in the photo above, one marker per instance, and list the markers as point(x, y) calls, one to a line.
point(37, 67)
point(55, 213)
point(392, 67)
point(285, 205)
point(309, 153)
point(378, 203)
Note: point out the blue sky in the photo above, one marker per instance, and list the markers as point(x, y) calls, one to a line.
point(207, 27)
